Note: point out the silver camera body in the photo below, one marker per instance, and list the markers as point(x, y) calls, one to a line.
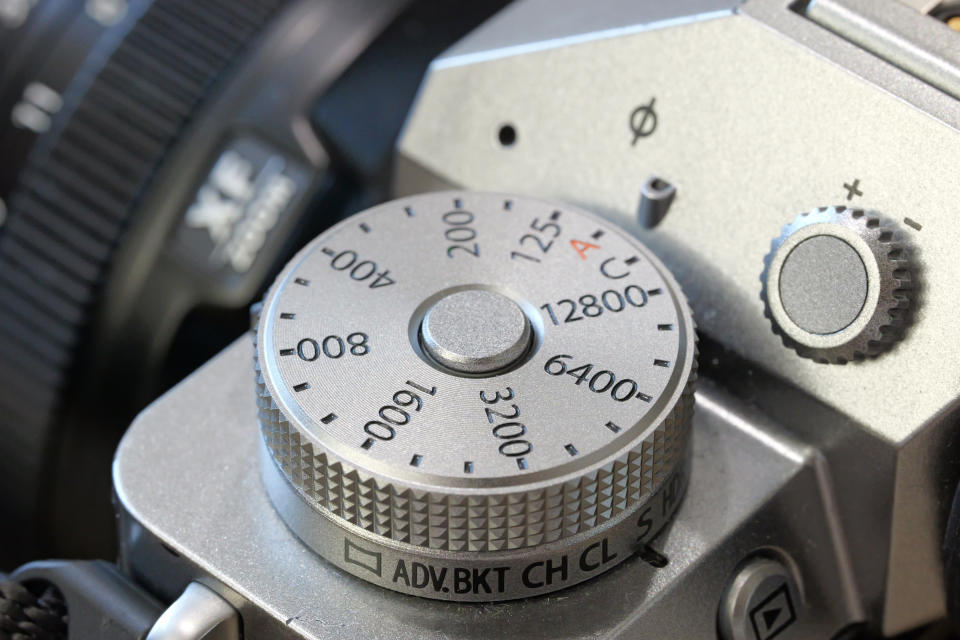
point(818, 492)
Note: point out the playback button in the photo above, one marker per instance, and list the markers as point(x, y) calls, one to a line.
point(761, 603)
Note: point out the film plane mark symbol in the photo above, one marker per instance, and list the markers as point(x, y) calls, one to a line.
point(643, 121)
point(369, 560)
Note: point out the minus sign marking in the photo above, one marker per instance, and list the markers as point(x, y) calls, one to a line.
point(286, 352)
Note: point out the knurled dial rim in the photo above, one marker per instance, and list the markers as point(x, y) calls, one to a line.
point(889, 278)
point(507, 509)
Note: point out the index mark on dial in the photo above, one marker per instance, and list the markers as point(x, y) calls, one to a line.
point(364, 227)
point(644, 397)
point(612, 427)
point(632, 260)
point(468, 466)
point(287, 316)
point(303, 386)
point(458, 203)
point(367, 443)
point(913, 224)
point(507, 205)
point(302, 282)
point(572, 450)
point(522, 463)
point(327, 250)
point(409, 212)
point(415, 460)
point(596, 235)
point(286, 352)
point(654, 292)
point(661, 363)
point(665, 327)
point(327, 419)
point(555, 216)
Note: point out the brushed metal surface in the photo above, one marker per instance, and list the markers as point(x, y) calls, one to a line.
point(202, 513)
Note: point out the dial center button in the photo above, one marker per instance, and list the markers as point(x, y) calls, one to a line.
point(476, 331)
point(823, 285)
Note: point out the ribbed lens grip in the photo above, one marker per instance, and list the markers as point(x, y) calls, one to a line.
point(79, 190)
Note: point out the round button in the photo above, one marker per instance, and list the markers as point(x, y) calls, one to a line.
point(476, 331)
point(761, 602)
point(838, 284)
point(823, 285)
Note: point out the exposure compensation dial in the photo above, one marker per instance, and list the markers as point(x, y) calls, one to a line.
point(475, 397)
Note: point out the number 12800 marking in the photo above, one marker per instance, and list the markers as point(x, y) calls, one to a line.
point(590, 305)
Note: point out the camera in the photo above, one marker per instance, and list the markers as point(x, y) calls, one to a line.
point(654, 337)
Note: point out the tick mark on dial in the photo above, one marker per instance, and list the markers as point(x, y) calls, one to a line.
point(327, 250)
point(613, 427)
point(287, 316)
point(644, 397)
point(327, 419)
point(665, 327)
point(367, 443)
point(365, 227)
point(913, 224)
point(596, 235)
point(522, 463)
point(661, 363)
point(415, 460)
point(468, 467)
point(286, 352)
point(302, 282)
point(507, 205)
point(303, 386)
point(572, 450)
point(409, 211)
point(654, 292)
point(632, 260)
point(555, 215)
point(458, 203)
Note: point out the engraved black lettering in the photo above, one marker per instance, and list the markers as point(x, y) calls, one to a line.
point(400, 573)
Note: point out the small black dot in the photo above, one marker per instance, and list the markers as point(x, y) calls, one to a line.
point(507, 135)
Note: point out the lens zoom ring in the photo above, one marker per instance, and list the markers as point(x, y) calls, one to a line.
point(456, 522)
point(82, 183)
